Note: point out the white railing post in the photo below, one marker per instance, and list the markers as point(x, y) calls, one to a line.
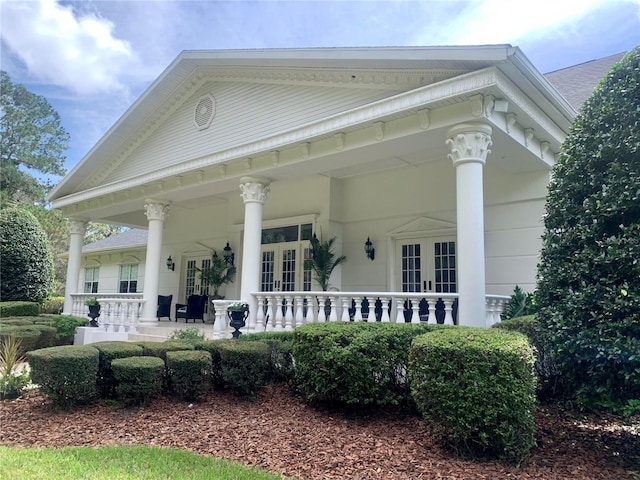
point(400, 310)
point(322, 316)
point(357, 316)
point(415, 309)
point(346, 304)
point(299, 316)
point(384, 307)
point(333, 314)
point(448, 308)
point(288, 313)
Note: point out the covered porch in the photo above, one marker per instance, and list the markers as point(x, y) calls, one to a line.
point(439, 157)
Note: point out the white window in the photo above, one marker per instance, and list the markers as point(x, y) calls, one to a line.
point(91, 279)
point(128, 278)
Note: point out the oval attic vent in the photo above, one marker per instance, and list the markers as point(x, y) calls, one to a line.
point(204, 112)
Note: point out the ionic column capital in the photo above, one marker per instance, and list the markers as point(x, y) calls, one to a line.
point(156, 209)
point(77, 227)
point(254, 189)
point(469, 142)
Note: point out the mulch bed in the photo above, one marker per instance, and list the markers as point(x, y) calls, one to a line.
point(280, 433)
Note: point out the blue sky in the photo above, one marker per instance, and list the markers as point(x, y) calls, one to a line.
point(92, 59)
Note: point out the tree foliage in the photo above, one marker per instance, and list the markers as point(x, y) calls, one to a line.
point(323, 260)
point(589, 272)
point(31, 137)
point(26, 269)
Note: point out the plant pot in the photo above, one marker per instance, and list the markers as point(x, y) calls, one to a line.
point(94, 312)
point(237, 320)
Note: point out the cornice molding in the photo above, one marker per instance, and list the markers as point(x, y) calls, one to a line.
point(402, 104)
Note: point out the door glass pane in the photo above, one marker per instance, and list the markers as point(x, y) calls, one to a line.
point(445, 267)
point(411, 275)
point(191, 278)
point(267, 269)
point(204, 288)
point(288, 270)
point(306, 280)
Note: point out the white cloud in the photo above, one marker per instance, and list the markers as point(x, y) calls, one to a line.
point(76, 52)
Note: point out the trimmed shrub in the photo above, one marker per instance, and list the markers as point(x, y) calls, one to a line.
point(358, 364)
point(280, 353)
point(16, 321)
point(137, 378)
point(27, 334)
point(245, 366)
point(109, 351)
point(26, 270)
point(213, 347)
point(190, 373)
point(52, 305)
point(66, 374)
point(47, 335)
point(18, 309)
point(548, 384)
point(589, 273)
point(160, 349)
point(65, 325)
point(476, 386)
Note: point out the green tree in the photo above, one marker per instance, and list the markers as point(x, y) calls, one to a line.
point(26, 270)
point(98, 231)
point(589, 272)
point(31, 137)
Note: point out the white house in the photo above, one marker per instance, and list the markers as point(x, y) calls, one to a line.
point(440, 156)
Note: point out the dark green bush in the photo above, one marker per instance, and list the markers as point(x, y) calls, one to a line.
point(245, 366)
point(66, 374)
point(477, 387)
point(27, 334)
point(18, 309)
point(26, 270)
point(160, 349)
point(65, 325)
point(280, 353)
point(190, 374)
point(52, 305)
point(589, 273)
point(17, 321)
point(213, 347)
point(109, 351)
point(47, 335)
point(138, 379)
point(548, 383)
point(359, 364)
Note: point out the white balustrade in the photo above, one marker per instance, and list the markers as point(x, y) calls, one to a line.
point(116, 310)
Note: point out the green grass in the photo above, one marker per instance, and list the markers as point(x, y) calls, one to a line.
point(119, 463)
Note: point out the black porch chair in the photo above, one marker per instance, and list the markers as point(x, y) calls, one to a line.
point(164, 306)
point(194, 309)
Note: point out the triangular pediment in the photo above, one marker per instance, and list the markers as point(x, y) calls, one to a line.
point(423, 226)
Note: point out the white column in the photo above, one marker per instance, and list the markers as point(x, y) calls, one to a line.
point(156, 211)
point(469, 145)
point(77, 229)
point(254, 193)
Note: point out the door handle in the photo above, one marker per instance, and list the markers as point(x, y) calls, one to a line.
point(424, 286)
point(429, 285)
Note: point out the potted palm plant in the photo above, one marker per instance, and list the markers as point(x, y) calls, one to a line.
point(217, 274)
point(323, 260)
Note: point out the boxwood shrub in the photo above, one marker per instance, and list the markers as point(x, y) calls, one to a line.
point(190, 373)
point(65, 374)
point(160, 349)
point(137, 378)
point(477, 387)
point(245, 366)
point(109, 351)
point(18, 309)
point(27, 334)
point(359, 364)
point(280, 353)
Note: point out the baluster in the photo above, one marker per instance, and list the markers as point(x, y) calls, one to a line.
point(448, 307)
point(270, 318)
point(288, 314)
point(299, 316)
point(311, 316)
point(400, 310)
point(322, 317)
point(277, 310)
point(346, 304)
point(259, 327)
point(432, 310)
point(357, 316)
point(384, 312)
point(333, 314)
point(219, 321)
point(135, 309)
point(415, 309)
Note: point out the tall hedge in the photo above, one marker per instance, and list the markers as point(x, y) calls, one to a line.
point(589, 272)
point(26, 270)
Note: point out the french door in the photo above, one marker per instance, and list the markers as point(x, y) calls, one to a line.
point(282, 267)
point(193, 285)
point(428, 265)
